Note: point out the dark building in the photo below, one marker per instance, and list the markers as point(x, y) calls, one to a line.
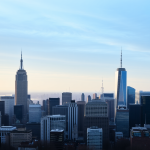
point(110, 103)
point(57, 139)
point(100, 122)
point(35, 128)
point(21, 89)
point(66, 97)
point(52, 102)
point(145, 116)
point(135, 111)
point(18, 112)
point(2, 107)
point(45, 106)
point(61, 110)
point(130, 96)
point(81, 107)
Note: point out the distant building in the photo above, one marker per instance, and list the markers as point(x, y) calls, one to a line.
point(95, 96)
point(21, 89)
point(140, 137)
point(95, 138)
point(118, 135)
point(35, 113)
point(82, 97)
point(72, 120)
point(52, 102)
point(66, 97)
point(45, 106)
point(139, 94)
point(57, 139)
point(5, 131)
point(20, 135)
point(122, 122)
point(130, 95)
point(81, 108)
point(88, 98)
point(18, 112)
point(51, 122)
point(9, 106)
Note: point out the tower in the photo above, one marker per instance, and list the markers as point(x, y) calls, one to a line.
point(121, 86)
point(21, 89)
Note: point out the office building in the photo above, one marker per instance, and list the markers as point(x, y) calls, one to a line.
point(35, 113)
point(35, 128)
point(121, 86)
point(52, 102)
point(57, 139)
point(61, 110)
point(0, 119)
point(72, 120)
point(45, 106)
point(18, 112)
point(20, 135)
point(139, 94)
point(135, 112)
point(88, 98)
point(96, 108)
point(140, 138)
point(122, 122)
point(49, 123)
point(130, 95)
point(81, 108)
point(95, 96)
point(21, 89)
point(107, 95)
point(82, 97)
point(9, 106)
point(118, 136)
point(4, 131)
point(66, 97)
point(95, 138)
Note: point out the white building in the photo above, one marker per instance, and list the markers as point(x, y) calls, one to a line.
point(95, 138)
point(118, 135)
point(34, 113)
point(9, 106)
point(72, 120)
point(95, 96)
point(51, 122)
point(4, 131)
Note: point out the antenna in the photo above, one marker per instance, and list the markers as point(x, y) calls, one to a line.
point(121, 59)
point(102, 88)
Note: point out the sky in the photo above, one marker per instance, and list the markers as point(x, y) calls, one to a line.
point(73, 45)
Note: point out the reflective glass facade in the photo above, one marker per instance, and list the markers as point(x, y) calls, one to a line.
point(121, 87)
point(130, 95)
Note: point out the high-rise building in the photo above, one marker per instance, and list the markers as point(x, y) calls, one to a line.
point(18, 112)
point(66, 97)
point(121, 86)
point(21, 89)
point(35, 113)
point(122, 122)
point(95, 96)
point(9, 106)
point(139, 94)
point(130, 95)
point(81, 108)
point(95, 138)
point(49, 123)
point(45, 106)
point(52, 102)
point(88, 98)
point(82, 97)
point(72, 120)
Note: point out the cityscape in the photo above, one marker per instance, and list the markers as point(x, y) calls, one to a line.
point(86, 104)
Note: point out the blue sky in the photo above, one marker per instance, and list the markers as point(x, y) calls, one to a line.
point(74, 44)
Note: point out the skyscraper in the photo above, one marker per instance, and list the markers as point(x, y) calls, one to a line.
point(130, 95)
point(121, 86)
point(95, 96)
point(88, 98)
point(82, 97)
point(52, 102)
point(21, 89)
point(66, 97)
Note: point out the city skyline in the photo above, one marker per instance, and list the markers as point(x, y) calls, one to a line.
point(69, 47)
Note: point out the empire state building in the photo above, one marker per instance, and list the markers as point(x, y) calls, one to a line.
point(21, 89)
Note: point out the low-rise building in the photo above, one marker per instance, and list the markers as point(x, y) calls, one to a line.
point(95, 138)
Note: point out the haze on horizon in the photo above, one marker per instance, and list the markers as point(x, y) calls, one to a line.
point(74, 44)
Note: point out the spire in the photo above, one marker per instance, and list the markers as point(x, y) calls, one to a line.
point(102, 88)
point(121, 59)
point(21, 62)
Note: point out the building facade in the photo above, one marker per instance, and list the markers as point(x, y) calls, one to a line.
point(21, 89)
point(51, 122)
point(95, 138)
point(9, 106)
point(35, 113)
point(95, 96)
point(72, 120)
point(130, 96)
point(52, 102)
point(82, 97)
point(66, 97)
point(18, 112)
point(139, 94)
point(89, 98)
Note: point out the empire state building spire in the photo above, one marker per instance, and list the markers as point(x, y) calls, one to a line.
point(21, 62)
